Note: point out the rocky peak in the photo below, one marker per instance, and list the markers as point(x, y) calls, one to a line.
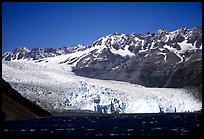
point(21, 49)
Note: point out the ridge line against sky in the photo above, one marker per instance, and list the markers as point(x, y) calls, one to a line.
point(59, 24)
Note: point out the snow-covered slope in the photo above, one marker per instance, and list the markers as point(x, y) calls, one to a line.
point(51, 84)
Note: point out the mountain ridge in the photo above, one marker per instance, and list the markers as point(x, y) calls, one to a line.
point(80, 47)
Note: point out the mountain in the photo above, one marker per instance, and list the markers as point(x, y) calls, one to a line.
point(153, 60)
point(158, 60)
point(15, 107)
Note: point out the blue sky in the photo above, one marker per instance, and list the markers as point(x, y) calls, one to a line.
point(59, 24)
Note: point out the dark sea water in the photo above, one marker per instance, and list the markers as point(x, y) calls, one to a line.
point(138, 125)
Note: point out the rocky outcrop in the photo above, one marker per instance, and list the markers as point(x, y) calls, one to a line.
point(15, 106)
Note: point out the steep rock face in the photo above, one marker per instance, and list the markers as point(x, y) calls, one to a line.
point(154, 72)
point(187, 73)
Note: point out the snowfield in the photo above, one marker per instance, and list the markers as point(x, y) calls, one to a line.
point(51, 84)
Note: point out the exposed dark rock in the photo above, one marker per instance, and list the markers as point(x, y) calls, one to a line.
point(15, 106)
